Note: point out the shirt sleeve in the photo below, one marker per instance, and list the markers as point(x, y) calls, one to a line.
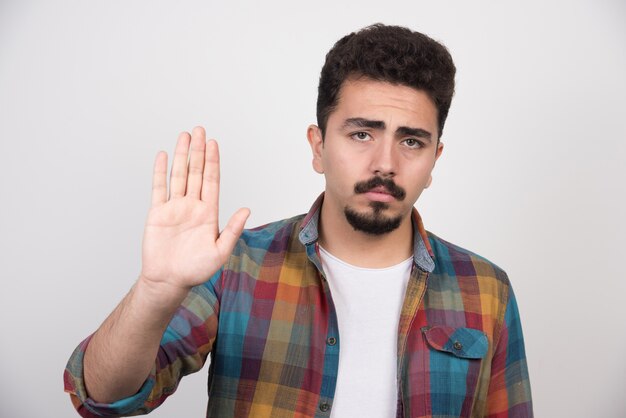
point(184, 347)
point(509, 389)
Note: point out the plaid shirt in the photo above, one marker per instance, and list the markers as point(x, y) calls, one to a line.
point(268, 322)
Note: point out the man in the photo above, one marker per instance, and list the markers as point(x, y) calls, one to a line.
point(351, 310)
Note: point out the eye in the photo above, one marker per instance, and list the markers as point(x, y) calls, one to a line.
point(412, 143)
point(360, 136)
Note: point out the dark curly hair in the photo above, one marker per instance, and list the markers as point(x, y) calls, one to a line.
point(387, 53)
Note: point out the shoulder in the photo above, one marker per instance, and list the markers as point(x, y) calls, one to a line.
point(259, 249)
point(273, 237)
point(451, 259)
point(465, 279)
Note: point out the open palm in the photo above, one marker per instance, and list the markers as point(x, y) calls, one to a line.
point(182, 244)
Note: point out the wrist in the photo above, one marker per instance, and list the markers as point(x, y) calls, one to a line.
point(159, 296)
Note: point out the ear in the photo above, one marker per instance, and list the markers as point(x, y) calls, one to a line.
point(314, 135)
point(437, 155)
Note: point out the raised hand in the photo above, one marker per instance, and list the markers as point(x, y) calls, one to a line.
point(182, 244)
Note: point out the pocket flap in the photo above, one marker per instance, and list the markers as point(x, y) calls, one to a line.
point(462, 342)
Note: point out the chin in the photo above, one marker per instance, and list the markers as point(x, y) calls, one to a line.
point(373, 222)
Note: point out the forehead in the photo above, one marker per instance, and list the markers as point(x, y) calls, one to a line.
point(381, 100)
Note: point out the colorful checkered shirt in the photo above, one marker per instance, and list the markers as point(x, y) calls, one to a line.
point(268, 322)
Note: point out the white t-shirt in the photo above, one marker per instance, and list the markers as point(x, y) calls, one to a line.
point(368, 304)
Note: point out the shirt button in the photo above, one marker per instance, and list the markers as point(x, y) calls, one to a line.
point(324, 407)
point(331, 341)
point(458, 345)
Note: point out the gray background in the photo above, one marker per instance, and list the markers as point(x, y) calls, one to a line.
point(532, 175)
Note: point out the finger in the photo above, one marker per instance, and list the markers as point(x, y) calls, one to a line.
point(178, 176)
point(228, 237)
point(196, 162)
point(211, 181)
point(159, 179)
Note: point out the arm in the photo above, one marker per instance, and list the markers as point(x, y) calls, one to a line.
point(184, 347)
point(182, 248)
point(509, 388)
point(120, 355)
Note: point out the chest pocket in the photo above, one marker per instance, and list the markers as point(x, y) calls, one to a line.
point(461, 342)
point(454, 365)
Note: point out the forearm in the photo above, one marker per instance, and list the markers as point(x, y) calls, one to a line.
point(122, 352)
point(182, 249)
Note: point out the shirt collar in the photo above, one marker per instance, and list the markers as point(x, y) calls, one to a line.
point(422, 252)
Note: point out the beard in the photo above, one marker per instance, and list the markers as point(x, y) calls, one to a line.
point(375, 222)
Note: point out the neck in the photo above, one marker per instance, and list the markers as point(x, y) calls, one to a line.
point(360, 249)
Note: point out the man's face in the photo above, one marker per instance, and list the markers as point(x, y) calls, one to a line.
point(378, 153)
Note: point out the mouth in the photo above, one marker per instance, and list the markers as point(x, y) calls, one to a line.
point(379, 189)
point(380, 194)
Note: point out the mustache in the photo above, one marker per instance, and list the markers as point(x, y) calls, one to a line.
point(389, 185)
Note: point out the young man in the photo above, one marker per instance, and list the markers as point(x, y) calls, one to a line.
point(350, 310)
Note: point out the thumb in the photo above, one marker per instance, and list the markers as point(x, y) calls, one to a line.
point(228, 237)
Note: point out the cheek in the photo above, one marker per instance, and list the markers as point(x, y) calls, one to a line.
point(419, 178)
point(340, 175)
point(337, 166)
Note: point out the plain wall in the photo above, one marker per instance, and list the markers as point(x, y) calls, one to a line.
point(532, 175)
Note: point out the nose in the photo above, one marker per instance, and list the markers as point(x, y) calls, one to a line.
point(384, 160)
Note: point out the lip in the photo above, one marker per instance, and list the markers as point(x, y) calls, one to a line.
point(379, 194)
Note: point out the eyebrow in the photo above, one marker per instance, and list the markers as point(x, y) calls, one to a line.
point(379, 124)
